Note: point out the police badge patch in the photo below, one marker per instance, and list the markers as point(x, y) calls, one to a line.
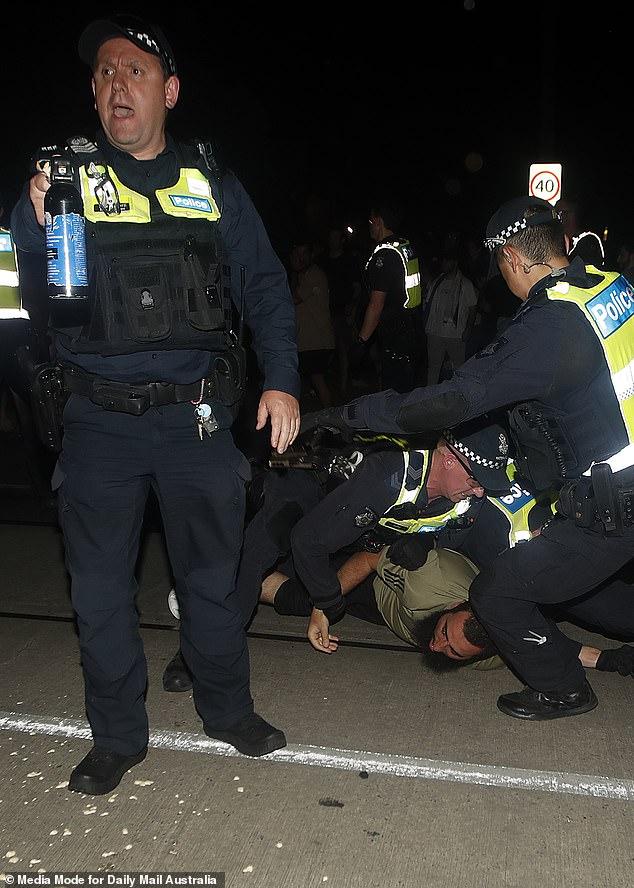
point(492, 347)
point(365, 518)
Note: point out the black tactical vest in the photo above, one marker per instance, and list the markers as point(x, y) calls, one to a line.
point(158, 282)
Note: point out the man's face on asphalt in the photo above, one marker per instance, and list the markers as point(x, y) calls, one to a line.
point(132, 97)
point(449, 638)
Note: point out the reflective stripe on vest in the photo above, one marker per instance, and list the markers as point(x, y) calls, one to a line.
point(405, 252)
point(609, 307)
point(416, 469)
point(10, 296)
point(516, 507)
point(621, 460)
point(576, 238)
point(189, 198)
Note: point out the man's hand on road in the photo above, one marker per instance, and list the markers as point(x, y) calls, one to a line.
point(318, 634)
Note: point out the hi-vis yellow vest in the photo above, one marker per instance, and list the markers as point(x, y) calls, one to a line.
point(609, 307)
point(405, 252)
point(516, 507)
point(10, 296)
point(189, 198)
point(417, 465)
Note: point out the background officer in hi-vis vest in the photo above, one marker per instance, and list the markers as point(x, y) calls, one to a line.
point(155, 373)
point(393, 314)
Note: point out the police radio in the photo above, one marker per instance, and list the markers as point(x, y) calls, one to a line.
point(66, 268)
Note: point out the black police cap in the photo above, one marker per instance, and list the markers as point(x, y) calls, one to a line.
point(511, 218)
point(486, 445)
point(147, 37)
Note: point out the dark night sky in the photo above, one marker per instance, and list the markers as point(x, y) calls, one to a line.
point(322, 106)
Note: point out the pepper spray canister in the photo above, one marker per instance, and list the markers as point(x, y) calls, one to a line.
point(66, 269)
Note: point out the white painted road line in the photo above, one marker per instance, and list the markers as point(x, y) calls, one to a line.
point(356, 760)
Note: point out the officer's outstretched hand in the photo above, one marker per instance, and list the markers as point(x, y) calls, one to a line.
point(411, 550)
point(331, 418)
point(318, 634)
point(283, 410)
point(619, 660)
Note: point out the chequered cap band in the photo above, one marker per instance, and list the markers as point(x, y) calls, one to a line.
point(476, 459)
point(501, 238)
point(540, 218)
point(153, 47)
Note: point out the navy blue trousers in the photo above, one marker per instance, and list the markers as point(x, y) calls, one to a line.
point(108, 465)
point(555, 568)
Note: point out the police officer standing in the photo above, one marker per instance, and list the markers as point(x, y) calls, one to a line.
point(393, 311)
point(153, 372)
point(563, 369)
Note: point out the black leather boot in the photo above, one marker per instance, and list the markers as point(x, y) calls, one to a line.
point(250, 736)
point(537, 706)
point(101, 770)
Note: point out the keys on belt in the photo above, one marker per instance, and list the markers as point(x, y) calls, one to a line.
point(205, 420)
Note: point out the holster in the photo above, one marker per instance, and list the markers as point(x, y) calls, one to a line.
point(598, 499)
point(607, 499)
point(229, 376)
point(46, 386)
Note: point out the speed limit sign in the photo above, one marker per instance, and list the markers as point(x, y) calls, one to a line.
point(544, 180)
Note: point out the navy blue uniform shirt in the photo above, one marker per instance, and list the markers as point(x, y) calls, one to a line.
point(548, 354)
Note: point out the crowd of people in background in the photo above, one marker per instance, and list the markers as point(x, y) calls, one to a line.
point(462, 309)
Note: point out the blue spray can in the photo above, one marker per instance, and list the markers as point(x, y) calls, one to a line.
point(66, 269)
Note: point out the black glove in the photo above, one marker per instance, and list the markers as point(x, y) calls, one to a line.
point(619, 660)
point(412, 550)
point(331, 418)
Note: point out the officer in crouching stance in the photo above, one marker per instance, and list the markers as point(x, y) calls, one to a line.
point(154, 375)
point(563, 368)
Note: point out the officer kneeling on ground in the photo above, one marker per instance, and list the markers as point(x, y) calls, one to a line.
point(419, 587)
point(384, 488)
point(562, 368)
point(154, 374)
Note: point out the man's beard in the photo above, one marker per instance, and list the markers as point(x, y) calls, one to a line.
point(424, 632)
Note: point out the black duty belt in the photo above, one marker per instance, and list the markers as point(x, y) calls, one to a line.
point(124, 397)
